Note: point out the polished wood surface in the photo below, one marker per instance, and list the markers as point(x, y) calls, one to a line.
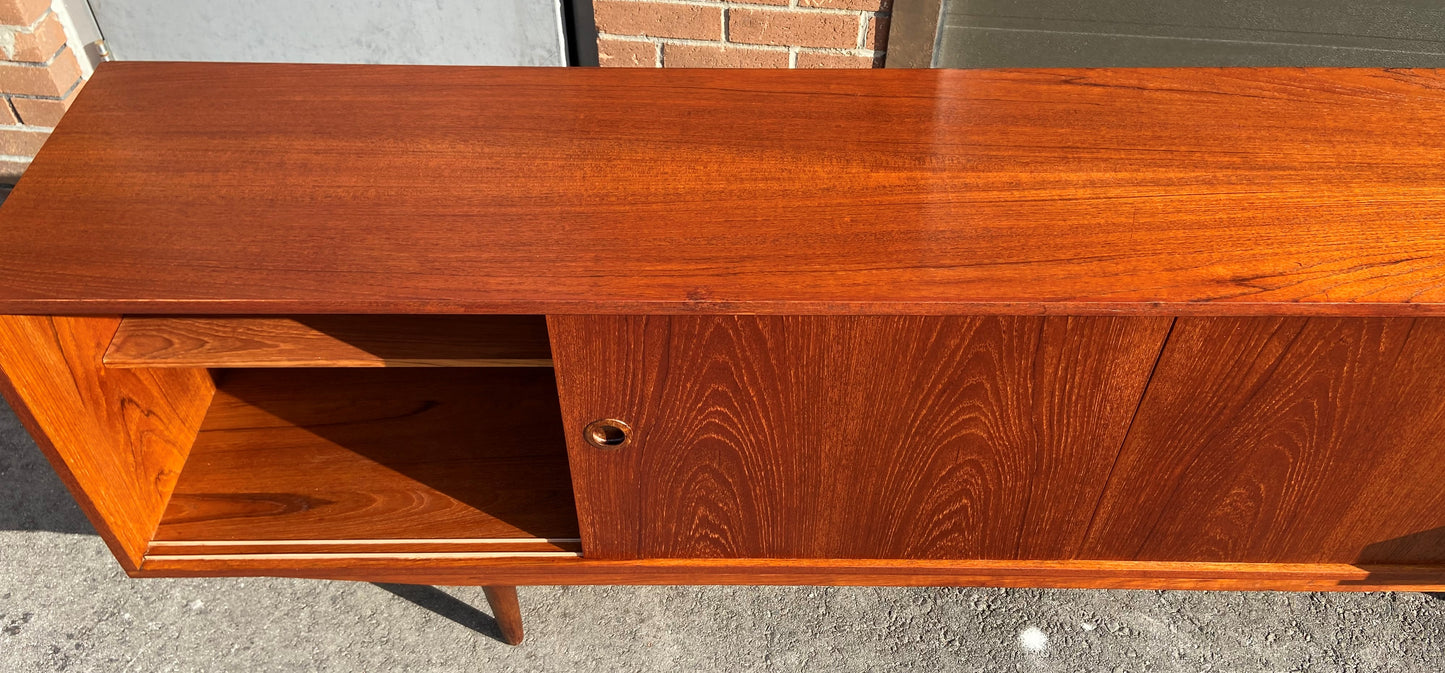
point(825, 572)
point(848, 437)
point(376, 461)
point(1267, 440)
point(1083, 328)
point(117, 438)
point(1285, 440)
point(331, 341)
point(233, 188)
point(506, 611)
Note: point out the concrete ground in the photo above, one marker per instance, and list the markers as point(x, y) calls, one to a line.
point(65, 605)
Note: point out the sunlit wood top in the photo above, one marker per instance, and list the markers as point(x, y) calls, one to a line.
point(225, 188)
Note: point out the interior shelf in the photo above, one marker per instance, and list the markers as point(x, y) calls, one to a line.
point(331, 341)
point(362, 461)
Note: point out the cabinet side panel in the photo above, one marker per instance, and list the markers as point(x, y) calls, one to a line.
point(848, 436)
point(1295, 440)
point(117, 438)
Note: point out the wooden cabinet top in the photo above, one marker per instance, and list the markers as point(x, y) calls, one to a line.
point(227, 188)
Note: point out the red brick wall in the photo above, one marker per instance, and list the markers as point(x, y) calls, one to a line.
point(39, 75)
point(745, 34)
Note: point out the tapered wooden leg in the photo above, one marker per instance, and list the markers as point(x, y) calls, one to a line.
point(506, 611)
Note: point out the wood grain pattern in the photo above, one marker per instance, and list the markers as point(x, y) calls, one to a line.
point(255, 188)
point(347, 455)
point(116, 438)
point(331, 341)
point(848, 437)
point(825, 572)
point(506, 611)
point(1285, 440)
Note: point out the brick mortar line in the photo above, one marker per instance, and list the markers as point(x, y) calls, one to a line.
point(627, 38)
point(709, 43)
point(837, 51)
point(56, 99)
point(30, 28)
point(651, 39)
point(31, 64)
point(63, 95)
point(840, 52)
point(63, 46)
point(28, 128)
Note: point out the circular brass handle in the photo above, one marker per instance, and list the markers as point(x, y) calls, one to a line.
point(607, 433)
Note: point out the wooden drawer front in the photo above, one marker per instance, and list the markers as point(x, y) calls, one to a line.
point(854, 437)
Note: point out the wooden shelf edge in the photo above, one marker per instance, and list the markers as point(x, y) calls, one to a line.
point(555, 569)
point(376, 541)
point(1301, 308)
point(329, 341)
point(215, 548)
point(123, 362)
point(317, 556)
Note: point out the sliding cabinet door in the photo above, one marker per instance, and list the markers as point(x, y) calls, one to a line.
point(1285, 440)
point(856, 437)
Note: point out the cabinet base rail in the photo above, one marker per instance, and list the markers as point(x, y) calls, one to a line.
point(469, 569)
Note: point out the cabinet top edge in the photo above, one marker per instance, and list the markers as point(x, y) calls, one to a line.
point(263, 308)
point(223, 188)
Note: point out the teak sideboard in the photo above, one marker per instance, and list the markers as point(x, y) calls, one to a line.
point(1172, 328)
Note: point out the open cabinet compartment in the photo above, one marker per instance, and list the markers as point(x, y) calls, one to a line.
point(323, 455)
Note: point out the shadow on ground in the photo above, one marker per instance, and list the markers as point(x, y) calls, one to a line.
point(445, 605)
point(31, 496)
